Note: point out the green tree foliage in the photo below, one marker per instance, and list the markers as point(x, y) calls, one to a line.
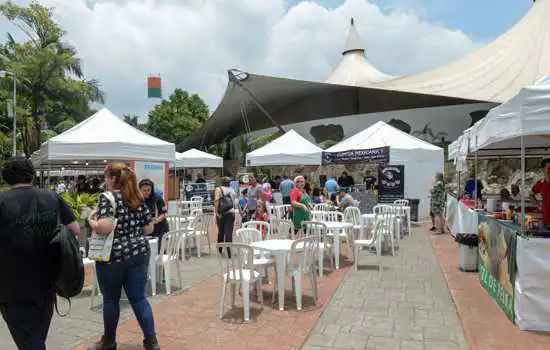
point(51, 84)
point(133, 120)
point(64, 125)
point(178, 117)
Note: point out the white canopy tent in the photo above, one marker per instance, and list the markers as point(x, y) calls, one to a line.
point(288, 149)
point(527, 114)
point(103, 136)
point(194, 158)
point(421, 159)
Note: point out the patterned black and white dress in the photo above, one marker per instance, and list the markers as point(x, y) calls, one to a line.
point(129, 240)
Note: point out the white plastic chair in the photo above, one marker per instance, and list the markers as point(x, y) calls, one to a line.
point(169, 254)
point(261, 226)
point(282, 211)
point(236, 271)
point(304, 250)
point(197, 199)
point(385, 214)
point(323, 207)
point(319, 229)
point(404, 212)
point(353, 216)
point(176, 222)
point(280, 228)
point(198, 231)
point(372, 239)
point(336, 216)
point(248, 235)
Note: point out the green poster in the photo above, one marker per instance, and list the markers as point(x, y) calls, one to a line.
point(497, 261)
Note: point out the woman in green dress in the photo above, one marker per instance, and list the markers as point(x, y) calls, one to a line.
point(300, 202)
point(437, 203)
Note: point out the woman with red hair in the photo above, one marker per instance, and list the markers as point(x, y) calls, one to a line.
point(129, 260)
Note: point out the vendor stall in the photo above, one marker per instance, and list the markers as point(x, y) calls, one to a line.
point(103, 138)
point(420, 160)
point(513, 253)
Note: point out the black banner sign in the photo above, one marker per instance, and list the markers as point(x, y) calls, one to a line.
point(198, 189)
point(391, 183)
point(380, 155)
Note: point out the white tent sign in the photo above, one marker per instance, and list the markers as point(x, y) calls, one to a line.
point(156, 172)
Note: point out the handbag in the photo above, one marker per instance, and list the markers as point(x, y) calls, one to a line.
point(101, 246)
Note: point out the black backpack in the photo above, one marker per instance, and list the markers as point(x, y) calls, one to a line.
point(69, 274)
point(226, 203)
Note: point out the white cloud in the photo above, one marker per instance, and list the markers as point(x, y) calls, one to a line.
point(192, 43)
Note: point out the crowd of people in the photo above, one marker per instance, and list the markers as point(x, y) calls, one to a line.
point(251, 204)
point(132, 212)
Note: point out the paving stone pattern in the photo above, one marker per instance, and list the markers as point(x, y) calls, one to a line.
point(83, 322)
point(407, 306)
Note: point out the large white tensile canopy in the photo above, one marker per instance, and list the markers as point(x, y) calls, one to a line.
point(421, 159)
point(288, 149)
point(104, 136)
point(527, 114)
point(354, 68)
point(194, 158)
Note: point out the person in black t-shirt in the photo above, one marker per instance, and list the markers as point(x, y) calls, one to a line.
point(200, 179)
point(345, 180)
point(28, 222)
point(82, 185)
point(369, 180)
point(156, 206)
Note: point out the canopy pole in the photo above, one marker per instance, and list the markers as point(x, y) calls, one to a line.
point(522, 145)
point(475, 174)
point(233, 78)
point(49, 174)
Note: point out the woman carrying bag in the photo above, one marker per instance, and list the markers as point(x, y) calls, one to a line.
point(127, 222)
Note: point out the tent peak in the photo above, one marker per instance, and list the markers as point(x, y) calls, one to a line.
point(353, 42)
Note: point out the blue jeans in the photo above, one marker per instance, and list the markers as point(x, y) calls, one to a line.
point(132, 275)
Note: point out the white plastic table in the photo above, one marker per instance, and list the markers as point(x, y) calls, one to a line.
point(153, 245)
point(334, 229)
point(280, 248)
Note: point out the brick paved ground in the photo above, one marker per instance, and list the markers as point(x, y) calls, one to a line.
point(83, 323)
point(405, 307)
point(190, 320)
point(485, 325)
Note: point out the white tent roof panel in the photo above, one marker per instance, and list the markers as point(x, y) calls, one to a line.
point(288, 149)
point(527, 113)
point(105, 136)
point(381, 134)
point(194, 158)
point(497, 71)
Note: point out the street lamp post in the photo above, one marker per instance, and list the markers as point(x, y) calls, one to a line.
point(14, 105)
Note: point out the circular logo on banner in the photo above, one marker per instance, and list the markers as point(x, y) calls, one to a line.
point(188, 188)
point(391, 177)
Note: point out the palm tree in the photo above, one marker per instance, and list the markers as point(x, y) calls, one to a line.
point(427, 134)
point(48, 67)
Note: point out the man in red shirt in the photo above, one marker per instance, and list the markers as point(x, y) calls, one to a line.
point(542, 187)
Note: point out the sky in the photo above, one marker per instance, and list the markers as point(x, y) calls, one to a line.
point(192, 43)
